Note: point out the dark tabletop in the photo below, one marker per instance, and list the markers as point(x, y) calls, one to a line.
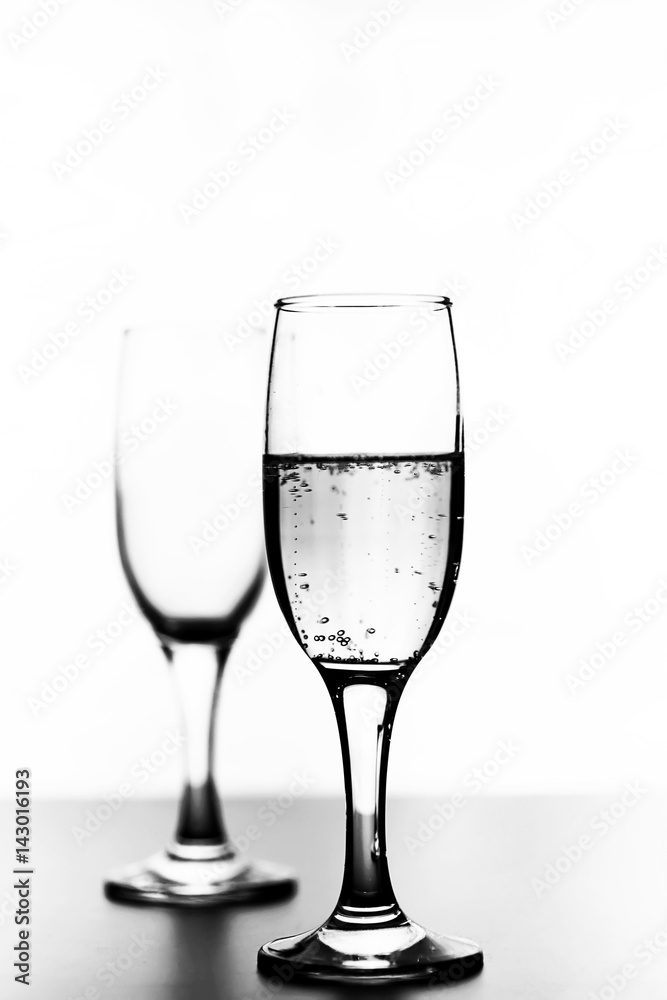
point(601, 912)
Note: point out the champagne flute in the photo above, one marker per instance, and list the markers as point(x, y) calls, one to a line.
point(363, 500)
point(188, 489)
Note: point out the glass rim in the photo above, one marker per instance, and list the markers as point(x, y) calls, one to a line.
point(359, 300)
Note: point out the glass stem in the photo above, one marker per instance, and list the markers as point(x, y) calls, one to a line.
point(365, 713)
point(197, 671)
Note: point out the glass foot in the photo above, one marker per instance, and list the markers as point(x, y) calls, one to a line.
point(198, 879)
point(403, 950)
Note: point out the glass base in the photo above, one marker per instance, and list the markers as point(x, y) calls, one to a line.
point(404, 950)
point(199, 877)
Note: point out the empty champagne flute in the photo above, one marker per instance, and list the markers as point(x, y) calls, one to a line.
point(188, 502)
point(364, 486)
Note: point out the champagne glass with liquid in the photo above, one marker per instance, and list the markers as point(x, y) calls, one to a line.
point(363, 501)
point(189, 517)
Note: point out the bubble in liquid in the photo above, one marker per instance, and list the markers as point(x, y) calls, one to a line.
point(323, 620)
point(371, 631)
point(341, 631)
point(331, 638)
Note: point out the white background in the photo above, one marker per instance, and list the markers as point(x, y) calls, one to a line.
point(454, 224)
